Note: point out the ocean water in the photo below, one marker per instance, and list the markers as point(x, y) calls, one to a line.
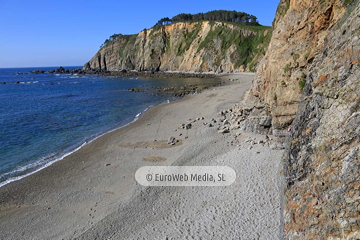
point(47, 116)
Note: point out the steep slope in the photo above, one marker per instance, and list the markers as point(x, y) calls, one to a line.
point(300, 28)
point(310, 79)
point(199, 46)
point(323, 161)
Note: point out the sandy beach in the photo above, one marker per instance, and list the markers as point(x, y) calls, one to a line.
point(92, 193)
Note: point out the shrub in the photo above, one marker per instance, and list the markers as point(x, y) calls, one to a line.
point(287, 68)
point(301, 85)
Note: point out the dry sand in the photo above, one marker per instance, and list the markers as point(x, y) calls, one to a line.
point(92, 193)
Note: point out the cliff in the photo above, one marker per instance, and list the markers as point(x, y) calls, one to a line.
point(192, 46)
point(300, 29)
point(307, 93)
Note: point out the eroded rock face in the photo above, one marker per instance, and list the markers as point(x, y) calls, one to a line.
point(198, 47)
point(300, 29)
point(322, 164)
point(309, 79)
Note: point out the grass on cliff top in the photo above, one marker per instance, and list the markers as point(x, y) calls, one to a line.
point(125, 38)
point(241, 25)
point(247, 26)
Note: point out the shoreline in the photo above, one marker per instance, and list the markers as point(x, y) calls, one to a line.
point(18, 178)
point(92, 189)
point(180, 94)
point(135, 73)
point(165, 74)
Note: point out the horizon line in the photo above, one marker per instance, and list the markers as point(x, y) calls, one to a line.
point(45, 66)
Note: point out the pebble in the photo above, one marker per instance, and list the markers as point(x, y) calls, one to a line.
point(224, 130)
point(172, 140)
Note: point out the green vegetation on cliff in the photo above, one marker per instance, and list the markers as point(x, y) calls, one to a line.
point(281, 10)
point(201, 46)
point(189, 37)
point(249, 47)
point(128, 40)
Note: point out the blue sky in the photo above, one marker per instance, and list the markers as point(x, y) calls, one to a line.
point(43, 33)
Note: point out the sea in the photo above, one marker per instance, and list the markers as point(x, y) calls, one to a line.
point(45, 117)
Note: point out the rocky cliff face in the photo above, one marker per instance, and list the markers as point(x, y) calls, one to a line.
point(323, 160)
point(300, 29)
point(310, 79)
point(200, 47)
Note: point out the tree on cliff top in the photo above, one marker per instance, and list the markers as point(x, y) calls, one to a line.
point(217, 15)
point(112, 37)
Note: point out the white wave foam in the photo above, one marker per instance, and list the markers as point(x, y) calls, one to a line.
point(38, 163)
point(32, 165)
point(30, 82)
point(141, 113)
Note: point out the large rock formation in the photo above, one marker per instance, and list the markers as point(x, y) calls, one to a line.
point(199, 47)
point(323, 160)
point(310, 79)
point(300, 29)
